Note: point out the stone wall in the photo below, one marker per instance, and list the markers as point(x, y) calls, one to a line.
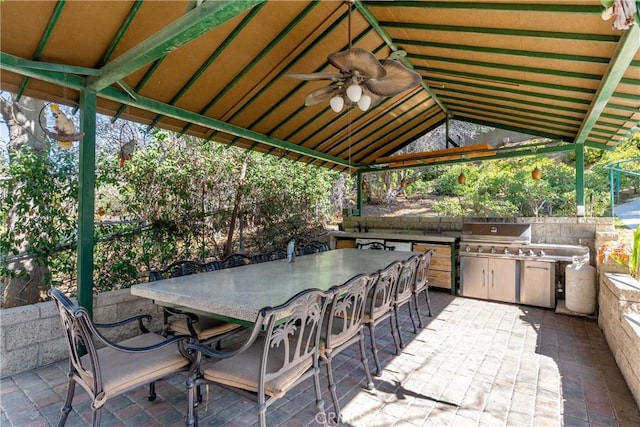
point(552, 230)
point(619, 319)
point(31, 336)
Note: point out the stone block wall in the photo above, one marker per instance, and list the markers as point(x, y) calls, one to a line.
point(619, 319)
point(31, 336)
point(551, 230)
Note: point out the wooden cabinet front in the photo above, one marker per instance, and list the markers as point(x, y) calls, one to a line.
point(440, 267)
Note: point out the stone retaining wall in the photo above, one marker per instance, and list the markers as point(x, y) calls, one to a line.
point(31, 335)
point(619, 319)
point(552, 230)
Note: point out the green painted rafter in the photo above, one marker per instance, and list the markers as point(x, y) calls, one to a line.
point(205, 66)
point(180, 32)
point(371, 19)
point(624, 54)
point(506, 7)
point(43, 42)
point(21, 66)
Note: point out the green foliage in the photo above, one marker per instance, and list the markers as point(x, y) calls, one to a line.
point(41, 196)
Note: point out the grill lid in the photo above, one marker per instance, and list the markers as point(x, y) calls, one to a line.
point(489, 232)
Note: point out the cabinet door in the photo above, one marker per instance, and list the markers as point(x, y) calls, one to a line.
point(502, 279)
point(474, 277)
point(536, 286)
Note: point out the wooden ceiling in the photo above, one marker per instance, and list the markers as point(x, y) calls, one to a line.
point(217, 69)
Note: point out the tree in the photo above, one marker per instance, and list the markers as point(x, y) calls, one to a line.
point(23, 210)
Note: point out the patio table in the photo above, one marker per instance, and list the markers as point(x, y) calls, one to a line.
point(237, 294)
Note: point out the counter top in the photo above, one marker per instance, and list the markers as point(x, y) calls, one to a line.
point(399, 236)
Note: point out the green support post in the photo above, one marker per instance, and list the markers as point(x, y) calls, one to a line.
point(359, 192)
point(86, 199)
point(580, 210)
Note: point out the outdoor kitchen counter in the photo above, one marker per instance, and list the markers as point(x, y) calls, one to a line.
point(442, 271)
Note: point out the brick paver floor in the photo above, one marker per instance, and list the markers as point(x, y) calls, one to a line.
point(476, 363)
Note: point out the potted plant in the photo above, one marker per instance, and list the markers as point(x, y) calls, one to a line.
point(623, 254)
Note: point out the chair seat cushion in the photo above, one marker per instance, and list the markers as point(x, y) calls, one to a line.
point(122, 371)
point(205, 327)
point(242, 371)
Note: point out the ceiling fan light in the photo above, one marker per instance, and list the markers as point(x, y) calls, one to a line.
point(337, 102)
point(354, 92)
point(364, 102)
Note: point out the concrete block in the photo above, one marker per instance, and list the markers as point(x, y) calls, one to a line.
point(18, 315)
point(16, 361)
point(29, 333)
point(52, 351)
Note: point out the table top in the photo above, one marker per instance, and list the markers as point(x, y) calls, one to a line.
point(239, 293)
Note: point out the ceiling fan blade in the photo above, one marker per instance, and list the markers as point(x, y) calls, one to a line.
point(398, 78)
point(316, 76)
point(359, 62)
point(324, 94)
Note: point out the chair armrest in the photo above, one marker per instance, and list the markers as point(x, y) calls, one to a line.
point(139, 318)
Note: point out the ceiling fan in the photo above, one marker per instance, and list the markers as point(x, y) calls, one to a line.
point(362, 80)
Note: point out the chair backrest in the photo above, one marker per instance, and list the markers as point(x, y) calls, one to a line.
point(234, 260)
point(406, 279)
point(345, 312)
point(378, 246)
point(275, 254)
point(177, 269)
point(313, 247)
point(382, 293)
point(422, 270)
point(79, 333)
point(292, 334)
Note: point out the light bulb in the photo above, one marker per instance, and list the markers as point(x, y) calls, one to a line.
point(364, 102)
point(354, 92)
point(337, 102)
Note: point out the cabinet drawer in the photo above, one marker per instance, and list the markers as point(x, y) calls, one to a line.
point(345, 243)
point(440, 279)
point(441, 251)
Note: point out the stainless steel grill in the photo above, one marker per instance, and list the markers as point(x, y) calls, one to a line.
point(499, 262)
point(513, 241)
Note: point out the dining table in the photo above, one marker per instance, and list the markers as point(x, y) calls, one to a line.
point(238, 294)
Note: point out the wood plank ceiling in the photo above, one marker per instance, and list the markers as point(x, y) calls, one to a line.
point(217, 69)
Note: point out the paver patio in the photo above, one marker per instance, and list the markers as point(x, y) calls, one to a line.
point(477, 363)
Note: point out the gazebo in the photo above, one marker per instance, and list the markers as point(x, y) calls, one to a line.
point(226, 71)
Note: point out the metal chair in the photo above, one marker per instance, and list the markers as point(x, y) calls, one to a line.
point(404, 294)
point(118, 367)
point(378, 246)
point(421, 283)
point(343, 327)
point(231, 261)
point(179, 322)
point(281, 352)
point(273, 255)
point(380, 305)
point(313, 247)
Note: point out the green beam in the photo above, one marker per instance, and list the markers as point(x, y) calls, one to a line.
point(506, 7)
point(197, 119)
point(498, 80)
point(371, 19)
point(209, 61)
point(502, 51)
point(86, 199)
point(43, 42)
point(484, 64)
point(180, 32)
point(123, 29)
point(622, 57)
point(502, 31)
point(15, 64)
point(514, 91)
point(507, 127)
